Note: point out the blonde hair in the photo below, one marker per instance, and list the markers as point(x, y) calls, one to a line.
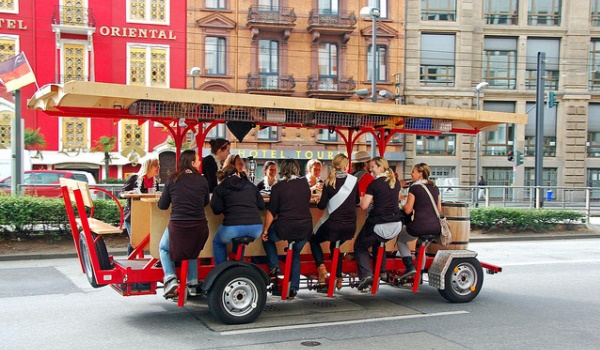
point(311, 163)
point(144, 169)
point(289, 168)
point(425, 171)
point(390, 177)
point(339, 162)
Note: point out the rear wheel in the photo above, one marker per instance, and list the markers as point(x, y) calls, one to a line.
point(238, 295)
point(103, 259)
point(463, 280)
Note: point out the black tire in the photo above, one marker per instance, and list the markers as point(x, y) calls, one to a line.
point(238, 295)
point(463, 280)
point(103, 259)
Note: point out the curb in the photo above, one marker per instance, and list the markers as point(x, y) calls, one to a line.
point(471, 240)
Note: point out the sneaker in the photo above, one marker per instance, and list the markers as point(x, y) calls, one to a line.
point(171, 286)
point(194, 289)
point(364, 283)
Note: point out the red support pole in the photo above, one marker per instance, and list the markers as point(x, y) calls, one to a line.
point(285, 289)
point(182, 283)
point(333, 272)
point(380, 252)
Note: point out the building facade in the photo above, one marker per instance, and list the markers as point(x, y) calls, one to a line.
point(316, 49)
point(453, 45)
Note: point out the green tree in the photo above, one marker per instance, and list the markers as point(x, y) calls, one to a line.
point(33, 140)
point(105, 144)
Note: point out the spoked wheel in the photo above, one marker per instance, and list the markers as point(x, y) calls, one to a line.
point(238, 296)
point(103, 259)
point(464, 279)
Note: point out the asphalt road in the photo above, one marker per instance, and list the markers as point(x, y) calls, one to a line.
point(546, 298)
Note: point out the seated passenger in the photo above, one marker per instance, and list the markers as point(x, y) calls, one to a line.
point(288, 218)
point(360, 169)
point(313, 175)
point(239, 201)
point(383, 223)
point(425, 220)
point(237, 161)
point(187, 193)
point(270, 179)
point(338, 222)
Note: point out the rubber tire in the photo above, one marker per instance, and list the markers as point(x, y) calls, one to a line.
point(103, 259)
point(237, 285)
point(463, 280)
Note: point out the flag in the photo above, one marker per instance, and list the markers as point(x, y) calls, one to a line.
point(16, 72)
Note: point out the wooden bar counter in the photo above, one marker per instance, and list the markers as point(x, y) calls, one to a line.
point(147, 218)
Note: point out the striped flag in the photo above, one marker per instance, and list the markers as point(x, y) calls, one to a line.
point(16, 72)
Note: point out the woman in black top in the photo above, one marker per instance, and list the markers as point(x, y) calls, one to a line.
point(425, 220)
point(338, 223)
point(187, 194)
point(383, 222)
point(288, 218)
point(239, 201)
point(219, 150)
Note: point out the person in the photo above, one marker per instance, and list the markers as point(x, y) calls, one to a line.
point(360, 169)
point(384, 221)
point(313, 175)
point(288, 218)
point(238, 163)
point(418, 206)
point(187, 193)
point(239, 201)
point(481, 182)
point(141, 182)
point(338, 223)
point(219, 150)
point(270, 179)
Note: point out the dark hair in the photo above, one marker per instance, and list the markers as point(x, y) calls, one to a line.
point(186, 158)
point(226, 172)
point(268, 163)
point(289, 168)
point(217, 144)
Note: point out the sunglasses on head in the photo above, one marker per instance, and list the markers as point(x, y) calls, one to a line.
point(222, 148)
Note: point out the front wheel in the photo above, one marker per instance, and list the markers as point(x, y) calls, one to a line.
point(86, 259)
point(238, 296)
point(463, 280)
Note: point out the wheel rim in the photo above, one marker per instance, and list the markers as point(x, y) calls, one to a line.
point(240, 296)
point(464, 279)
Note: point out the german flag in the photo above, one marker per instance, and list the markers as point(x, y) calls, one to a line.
point(16, 72)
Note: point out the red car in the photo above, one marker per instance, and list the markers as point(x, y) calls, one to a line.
point(45, 183)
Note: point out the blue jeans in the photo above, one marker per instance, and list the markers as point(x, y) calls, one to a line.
point(273, 258)
point(225, 234)
point(127, 226)
point(168, 266)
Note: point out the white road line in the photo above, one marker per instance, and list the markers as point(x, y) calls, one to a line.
point(329, 324)
point(595, 261)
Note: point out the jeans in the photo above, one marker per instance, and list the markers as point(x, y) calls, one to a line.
point(273, 258)
point(169, 266)
point(127, 226)
point(225, 234)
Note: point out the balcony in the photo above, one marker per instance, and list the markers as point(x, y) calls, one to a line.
point(333, 23)
point(73, 20)
point(270, 84)
point(271, 19)
point(328, 87)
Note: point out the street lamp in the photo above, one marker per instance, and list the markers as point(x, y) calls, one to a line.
point(478, 89)
point(194, 72)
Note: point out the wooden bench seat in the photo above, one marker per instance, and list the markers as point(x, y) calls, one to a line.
point(100, 227)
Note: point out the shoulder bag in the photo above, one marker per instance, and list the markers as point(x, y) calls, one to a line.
point(446, 234)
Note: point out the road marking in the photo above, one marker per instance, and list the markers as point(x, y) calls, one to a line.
point(339, 323)
point(552, 262)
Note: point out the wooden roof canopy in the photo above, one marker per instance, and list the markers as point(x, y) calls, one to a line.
point(104, 100)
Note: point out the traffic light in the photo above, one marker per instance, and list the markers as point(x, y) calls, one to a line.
point(551, 99)
point(510, 156)
point(519, 159)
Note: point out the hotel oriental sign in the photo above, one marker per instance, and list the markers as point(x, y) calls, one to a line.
point(126, 32)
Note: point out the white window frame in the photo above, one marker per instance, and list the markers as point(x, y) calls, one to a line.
point(16, 10)
point(148, 50)
point(147, 15)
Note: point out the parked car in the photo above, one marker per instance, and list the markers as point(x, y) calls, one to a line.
point(45, 183)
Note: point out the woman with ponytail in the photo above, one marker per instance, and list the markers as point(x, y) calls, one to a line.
point(384, 221)
point(338, 222)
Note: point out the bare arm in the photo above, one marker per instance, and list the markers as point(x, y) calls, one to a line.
point(268, 222)
point(410, 204)
point(366, 201)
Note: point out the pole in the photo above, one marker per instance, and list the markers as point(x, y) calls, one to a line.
point(374, 63)
point(539, 127)
point(477, 160)
point(17, 147)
